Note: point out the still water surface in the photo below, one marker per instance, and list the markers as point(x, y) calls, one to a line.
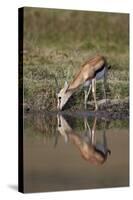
point(66, 153)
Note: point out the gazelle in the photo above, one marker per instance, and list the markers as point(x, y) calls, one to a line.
point(94, 69)
point(85, 143)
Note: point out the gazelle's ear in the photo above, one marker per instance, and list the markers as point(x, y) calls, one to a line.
point(65, 85)
point(57, 91)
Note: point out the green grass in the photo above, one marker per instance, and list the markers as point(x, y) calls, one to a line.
point(58, 42)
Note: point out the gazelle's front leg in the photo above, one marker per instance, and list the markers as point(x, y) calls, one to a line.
point(94, 92)
point(85, 98)
point(87, 127)
point(86, 95)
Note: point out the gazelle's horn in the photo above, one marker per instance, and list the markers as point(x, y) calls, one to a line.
point(56, 82)
point(57, 85)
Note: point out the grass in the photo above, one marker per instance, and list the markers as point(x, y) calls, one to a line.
point(58, 42)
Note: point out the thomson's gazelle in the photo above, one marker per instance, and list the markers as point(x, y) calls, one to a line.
point(94, 69)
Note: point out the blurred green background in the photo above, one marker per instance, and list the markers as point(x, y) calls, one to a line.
point(58, 42)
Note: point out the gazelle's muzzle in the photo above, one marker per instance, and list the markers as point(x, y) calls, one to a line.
point(59, 105)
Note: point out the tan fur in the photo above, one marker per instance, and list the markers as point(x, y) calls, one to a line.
point(87, 71)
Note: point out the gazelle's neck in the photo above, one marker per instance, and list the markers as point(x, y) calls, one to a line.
point(63, 98)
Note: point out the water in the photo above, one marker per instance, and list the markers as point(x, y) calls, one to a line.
point(70, 152)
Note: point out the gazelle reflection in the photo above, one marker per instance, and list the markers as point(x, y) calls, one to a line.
point(86, 143)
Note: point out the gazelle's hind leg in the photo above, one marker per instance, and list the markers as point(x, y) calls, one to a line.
point(86, 95)
point(105, 145)
point(94, 92)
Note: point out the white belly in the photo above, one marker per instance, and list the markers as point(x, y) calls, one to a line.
point(100, 74)
point(87, 83)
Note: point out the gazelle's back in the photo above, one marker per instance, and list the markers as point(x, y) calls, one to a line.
point(94, 67)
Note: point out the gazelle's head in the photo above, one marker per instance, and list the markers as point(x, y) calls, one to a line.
point(63, 96)
point(62, 124)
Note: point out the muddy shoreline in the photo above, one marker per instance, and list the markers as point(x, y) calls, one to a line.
point(113, 109)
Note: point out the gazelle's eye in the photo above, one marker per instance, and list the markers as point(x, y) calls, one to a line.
point(59, 98)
